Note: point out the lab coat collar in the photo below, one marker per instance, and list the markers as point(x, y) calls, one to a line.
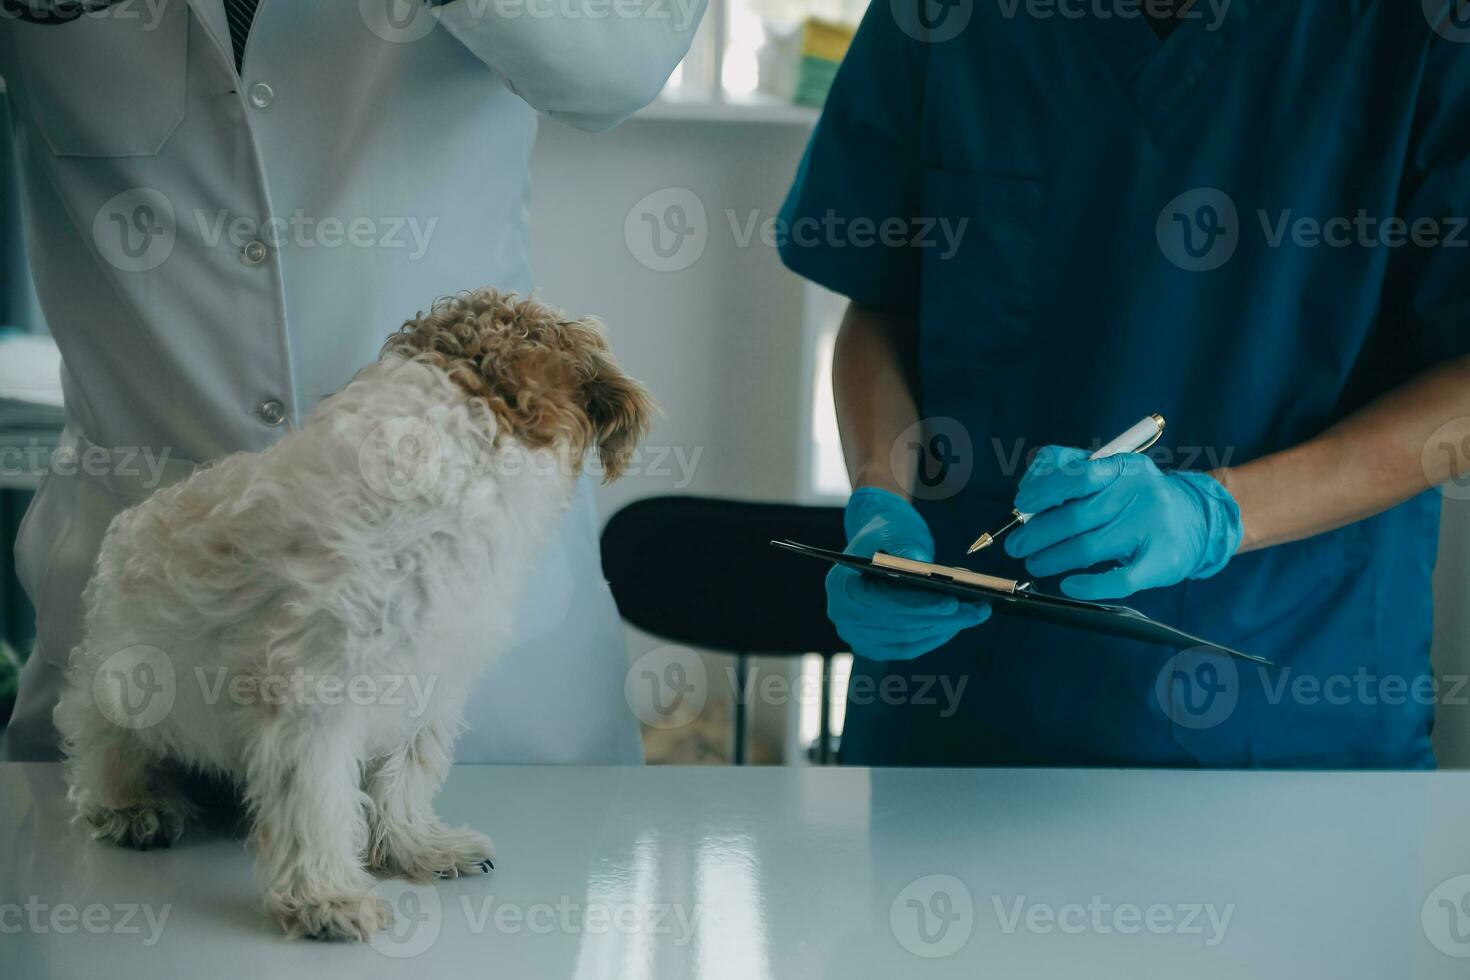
point(211, 14)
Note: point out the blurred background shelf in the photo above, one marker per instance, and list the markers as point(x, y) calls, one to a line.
point(753, 108)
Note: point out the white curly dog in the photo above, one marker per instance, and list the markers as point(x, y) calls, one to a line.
point(253, 620)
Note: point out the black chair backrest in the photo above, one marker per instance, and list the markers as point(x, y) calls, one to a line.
point(701, 571)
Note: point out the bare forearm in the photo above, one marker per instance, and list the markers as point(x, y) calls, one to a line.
point(1368, 462)
point(872, 371)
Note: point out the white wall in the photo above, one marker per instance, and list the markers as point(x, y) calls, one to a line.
point(720, 342)
point(1452, 634)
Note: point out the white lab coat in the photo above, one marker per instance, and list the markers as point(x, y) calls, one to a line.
point(389, 141)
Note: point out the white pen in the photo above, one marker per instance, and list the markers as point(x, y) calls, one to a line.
point(1138, 438)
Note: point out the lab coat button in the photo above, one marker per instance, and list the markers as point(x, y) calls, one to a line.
point(271, 412)
point(253, 252)
point(261, 95)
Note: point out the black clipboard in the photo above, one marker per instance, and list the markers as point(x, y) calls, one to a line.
point(1093, 617)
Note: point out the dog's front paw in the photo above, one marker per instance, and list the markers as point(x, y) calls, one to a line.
point(334, 918)
point(465, 852)
point(156, 823)
point(444, 853)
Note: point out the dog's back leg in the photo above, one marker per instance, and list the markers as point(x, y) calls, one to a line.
point(114, 779)
point(408, 838)
point(309, 827)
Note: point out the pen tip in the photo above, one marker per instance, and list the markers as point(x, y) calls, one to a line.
point(980, 543)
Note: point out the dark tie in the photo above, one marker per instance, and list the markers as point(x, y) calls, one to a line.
point(240, 14)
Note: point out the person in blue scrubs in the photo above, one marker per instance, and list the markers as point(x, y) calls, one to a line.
point(1243, 218)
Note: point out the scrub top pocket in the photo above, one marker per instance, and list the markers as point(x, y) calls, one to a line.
point(1311, 607)
point(979, 275)
point(106, 85)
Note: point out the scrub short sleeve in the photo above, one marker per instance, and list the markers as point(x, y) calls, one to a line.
point(847, 219)
point(1427, 299)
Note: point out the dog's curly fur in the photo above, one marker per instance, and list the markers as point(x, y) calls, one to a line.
point(550, 380)
point(314, 560)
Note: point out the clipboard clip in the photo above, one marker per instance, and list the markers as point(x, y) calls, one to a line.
point(960, 575)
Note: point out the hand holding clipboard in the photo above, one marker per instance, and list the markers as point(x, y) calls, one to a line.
point(1011, 598)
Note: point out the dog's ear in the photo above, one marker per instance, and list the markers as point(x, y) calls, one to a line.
point(617, 408)
point(620, 410)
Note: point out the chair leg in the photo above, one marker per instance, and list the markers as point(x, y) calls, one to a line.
point(824, 714)
point(742, 667)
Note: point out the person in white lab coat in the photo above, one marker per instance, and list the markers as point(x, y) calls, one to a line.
point(229, 206)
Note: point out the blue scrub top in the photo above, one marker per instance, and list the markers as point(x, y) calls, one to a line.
point(1134, 234)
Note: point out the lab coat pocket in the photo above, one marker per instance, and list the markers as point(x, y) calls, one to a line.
point(106, 85)
point(978, 283)
point(41, 529)
point(85, 489)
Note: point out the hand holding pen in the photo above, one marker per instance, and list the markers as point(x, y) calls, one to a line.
point(1141, 436)
point(1077, 510)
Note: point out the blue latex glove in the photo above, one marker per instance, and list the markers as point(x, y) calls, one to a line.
point(1163, 527)
point(881, 620)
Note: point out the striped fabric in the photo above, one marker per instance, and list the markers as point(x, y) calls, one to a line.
point(240, 13)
